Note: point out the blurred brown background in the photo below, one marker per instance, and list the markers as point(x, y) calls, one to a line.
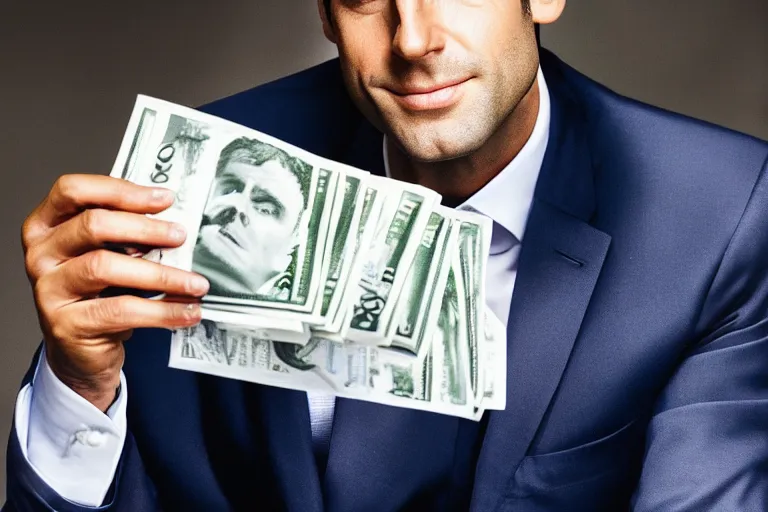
point(70, 71)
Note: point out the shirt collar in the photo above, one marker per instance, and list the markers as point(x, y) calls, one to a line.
point(507, 198)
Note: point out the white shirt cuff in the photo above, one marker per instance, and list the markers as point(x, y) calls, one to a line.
point(71, 445)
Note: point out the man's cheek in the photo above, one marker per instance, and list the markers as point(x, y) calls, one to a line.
point(271, 227)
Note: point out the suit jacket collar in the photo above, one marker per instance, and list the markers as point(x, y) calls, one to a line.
point(567, 173)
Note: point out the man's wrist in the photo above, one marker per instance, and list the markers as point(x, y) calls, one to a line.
point(102, 400)
point(101, 392)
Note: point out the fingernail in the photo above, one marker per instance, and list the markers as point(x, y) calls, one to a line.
point(197, 285)
point(162, 195)
point(177, 232)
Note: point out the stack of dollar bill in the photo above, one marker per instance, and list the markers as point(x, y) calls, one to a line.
point(324, 277)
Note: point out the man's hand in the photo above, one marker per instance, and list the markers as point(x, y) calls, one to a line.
point(65, 242)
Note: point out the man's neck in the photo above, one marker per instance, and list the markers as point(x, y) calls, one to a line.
point(458, 179)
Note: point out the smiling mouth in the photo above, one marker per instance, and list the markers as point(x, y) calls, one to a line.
point(430, 98)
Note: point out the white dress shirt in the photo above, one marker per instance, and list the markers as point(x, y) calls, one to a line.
point(75, 448)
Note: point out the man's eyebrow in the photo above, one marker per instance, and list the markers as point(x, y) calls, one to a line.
point(228, 175)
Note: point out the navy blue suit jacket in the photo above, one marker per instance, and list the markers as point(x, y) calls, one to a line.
point(638, 343)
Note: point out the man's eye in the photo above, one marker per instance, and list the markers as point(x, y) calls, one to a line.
point(266, 208)
point(229, 187)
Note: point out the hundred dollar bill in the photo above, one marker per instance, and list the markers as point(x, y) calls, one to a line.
point(256, 209)
point(345, 370)
point(324, 278)
point(236, 352)
point(424, 286)
point(164, 149)
point(474, 246)
point(268, 326)
point(373, 203)
point(248, 315)
point(405, 212)
point(452, 386)
point(439, 382)
point(351, 211)
point(262, 233)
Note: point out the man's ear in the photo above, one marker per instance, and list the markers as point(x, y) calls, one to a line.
point(546, 11)
point(330, 34)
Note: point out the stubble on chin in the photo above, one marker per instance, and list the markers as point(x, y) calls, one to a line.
point(455, 135)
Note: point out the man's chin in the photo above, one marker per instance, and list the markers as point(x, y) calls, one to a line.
point(218, 251)
point(436, 144)
point(209, 262)
point(227, 284)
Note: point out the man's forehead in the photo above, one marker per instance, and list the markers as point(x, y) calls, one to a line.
point(245, 168)
point(271, 177)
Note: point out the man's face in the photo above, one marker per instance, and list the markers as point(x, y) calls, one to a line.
point(438, 76)
point(249, 226)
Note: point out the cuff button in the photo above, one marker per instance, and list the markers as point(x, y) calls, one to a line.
point(96, 439)
point(92, 438)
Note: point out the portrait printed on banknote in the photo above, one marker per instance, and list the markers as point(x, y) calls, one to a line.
point(252, 226)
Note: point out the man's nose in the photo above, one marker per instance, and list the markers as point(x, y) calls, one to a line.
point(228, 215)
point(419, 31)
point(225, 216)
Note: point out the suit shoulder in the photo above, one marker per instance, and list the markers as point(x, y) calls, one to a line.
point(687, 156)
point(649, 160)
point(667, 140)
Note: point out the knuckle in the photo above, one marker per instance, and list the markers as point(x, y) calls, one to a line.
point(111, 311)
point(97, 266)
point(164, 277)
point(33, 229)
point(65, 188)
point(94, 223)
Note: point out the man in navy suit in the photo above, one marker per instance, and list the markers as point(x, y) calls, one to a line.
point(629, 262)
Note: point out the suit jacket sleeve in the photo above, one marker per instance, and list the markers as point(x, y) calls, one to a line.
point(707, 442)
point(131, 489)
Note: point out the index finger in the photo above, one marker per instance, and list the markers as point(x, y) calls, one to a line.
point(73, 193)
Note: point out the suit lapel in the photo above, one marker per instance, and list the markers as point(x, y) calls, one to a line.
point(560, 262)
point(559, 265)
